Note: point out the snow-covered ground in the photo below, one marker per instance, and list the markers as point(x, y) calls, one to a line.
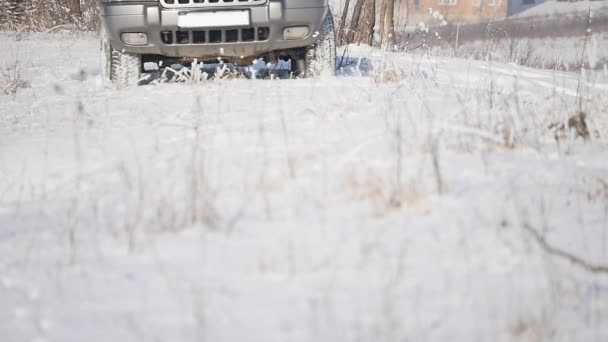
point(420, 199)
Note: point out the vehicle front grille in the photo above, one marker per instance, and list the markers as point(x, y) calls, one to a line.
point(215, 36)
point(209, 3)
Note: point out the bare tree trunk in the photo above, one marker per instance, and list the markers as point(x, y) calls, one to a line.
point(354, 22)
point(407, 13)
point(342, 31)
point(381, 21)
point(388, 23)
point(3, 14)
point(368, 22)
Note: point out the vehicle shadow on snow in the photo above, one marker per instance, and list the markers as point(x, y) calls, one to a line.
point(353, 66)
point(183, 73)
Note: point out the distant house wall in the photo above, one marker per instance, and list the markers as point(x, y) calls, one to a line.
point(455, 11)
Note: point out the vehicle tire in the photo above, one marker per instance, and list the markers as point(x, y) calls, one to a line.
point(320, 58)
point(126, 68)
point(120, 68)
point(106, 56)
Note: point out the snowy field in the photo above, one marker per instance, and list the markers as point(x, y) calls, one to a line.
point(412, 198)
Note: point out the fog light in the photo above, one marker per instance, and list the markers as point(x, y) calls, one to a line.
point(295, 32)
point(134, 38)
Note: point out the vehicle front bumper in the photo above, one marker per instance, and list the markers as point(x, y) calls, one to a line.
point(127, 16)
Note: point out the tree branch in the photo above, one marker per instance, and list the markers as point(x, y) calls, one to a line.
point(552, 250)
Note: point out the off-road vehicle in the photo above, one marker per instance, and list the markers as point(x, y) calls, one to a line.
point(238, 31)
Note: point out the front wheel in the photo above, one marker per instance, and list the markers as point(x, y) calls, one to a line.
point(120, 68)
point(320, 58)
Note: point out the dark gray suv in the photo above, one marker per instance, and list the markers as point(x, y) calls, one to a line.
point(235, 30)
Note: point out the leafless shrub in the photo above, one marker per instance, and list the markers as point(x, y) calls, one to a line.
point(12, 13)
point(520, 50)
point(41, 15)
point(575, 127)
point(11, 79)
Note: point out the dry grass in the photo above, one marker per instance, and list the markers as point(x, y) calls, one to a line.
point(509, 29)
point(576, 128)
point(11, 79)
point(532, 331)
point(518, 40)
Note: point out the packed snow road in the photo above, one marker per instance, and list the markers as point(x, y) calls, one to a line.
point(411, 199)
